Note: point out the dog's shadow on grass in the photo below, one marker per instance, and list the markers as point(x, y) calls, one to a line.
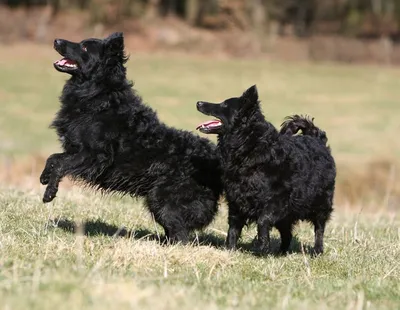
point(93, 228)
point(295, 247)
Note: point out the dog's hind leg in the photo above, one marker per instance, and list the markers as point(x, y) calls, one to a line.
point(169, 218)
point(320, 219)
point(174, 228)
point(180, 235)
point(181, 207)
point(285, 229)
point(319, 229)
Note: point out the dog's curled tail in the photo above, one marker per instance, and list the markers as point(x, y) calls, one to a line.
point(292, 124)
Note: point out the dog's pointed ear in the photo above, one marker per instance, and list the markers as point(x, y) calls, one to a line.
point(115, 43)
point(115, 59)
point(251, 94)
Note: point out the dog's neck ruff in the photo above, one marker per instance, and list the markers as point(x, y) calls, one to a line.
point(247, 134)
point(83, 89)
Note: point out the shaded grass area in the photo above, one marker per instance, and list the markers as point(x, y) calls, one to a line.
point(118, 261)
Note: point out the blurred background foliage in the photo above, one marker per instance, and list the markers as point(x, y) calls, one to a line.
point(365, 18)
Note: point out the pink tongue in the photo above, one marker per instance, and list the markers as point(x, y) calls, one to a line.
point(61, 62)
point(64, 61)
point(209, 123)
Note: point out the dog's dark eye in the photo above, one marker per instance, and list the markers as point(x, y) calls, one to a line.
point(84, 48)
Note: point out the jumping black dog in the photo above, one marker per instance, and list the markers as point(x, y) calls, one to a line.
point(114, 142)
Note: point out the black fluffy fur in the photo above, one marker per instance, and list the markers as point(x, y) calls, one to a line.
point(114, 142)
point(272, 178)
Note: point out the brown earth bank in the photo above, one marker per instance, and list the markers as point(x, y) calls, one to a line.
point(150, 34)
point(373, 185)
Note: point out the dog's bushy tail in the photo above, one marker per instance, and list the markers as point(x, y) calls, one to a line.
point(292, 124)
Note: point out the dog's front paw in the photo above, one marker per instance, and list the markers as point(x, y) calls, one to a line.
point(317, 251)
point(230, 247)
point(283, 252)
point(45, 177)
point(46, 174)
point(260, 248)
point(49, 194)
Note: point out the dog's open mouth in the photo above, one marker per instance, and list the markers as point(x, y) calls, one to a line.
point(210, 126)
point(66, 64)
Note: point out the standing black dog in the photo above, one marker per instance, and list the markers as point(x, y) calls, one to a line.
point(113, 142)
point(270, 177)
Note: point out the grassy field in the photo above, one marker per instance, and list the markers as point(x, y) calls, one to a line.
point(357, 106)
point(76, 254)
point(45, 265)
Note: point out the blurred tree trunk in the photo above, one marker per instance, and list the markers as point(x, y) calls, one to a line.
point(201, 12)
point(83, 4)
point(56, 5)
point(192, 11)
point(152, 9)
point(168, 7)
point(258, 15)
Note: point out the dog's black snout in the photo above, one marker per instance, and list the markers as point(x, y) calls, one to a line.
point(60, 45)
point(199, 104)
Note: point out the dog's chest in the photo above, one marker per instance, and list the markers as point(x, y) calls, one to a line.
point(241, 185)
point(246, 185)
point(73, 129)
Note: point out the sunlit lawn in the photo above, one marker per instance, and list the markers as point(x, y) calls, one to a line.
point(46, 264)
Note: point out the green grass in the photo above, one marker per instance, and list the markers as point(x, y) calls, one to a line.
point(357, 106)
point(45, 265)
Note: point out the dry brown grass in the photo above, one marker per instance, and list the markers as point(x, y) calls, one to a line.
point(374, 184)
point(24, 172)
